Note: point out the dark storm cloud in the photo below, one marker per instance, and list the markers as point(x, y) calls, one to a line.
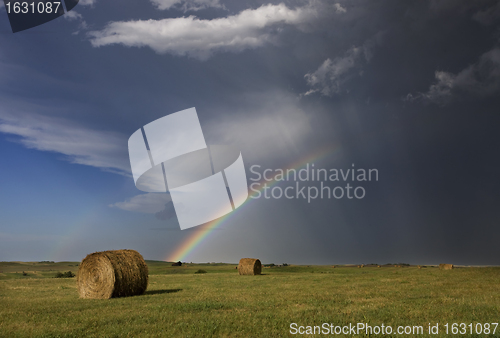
point(489, 15)
point(437, 163)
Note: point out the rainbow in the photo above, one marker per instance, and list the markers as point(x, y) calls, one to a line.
point(203, 232)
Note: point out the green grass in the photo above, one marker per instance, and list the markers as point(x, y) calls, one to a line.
point(220, 303)
point(9, 270)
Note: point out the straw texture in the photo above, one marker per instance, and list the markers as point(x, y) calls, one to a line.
point(109, 274)
point(445, 266)
point(249, 266)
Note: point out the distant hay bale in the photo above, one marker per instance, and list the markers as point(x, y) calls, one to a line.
point(445, 266)
point(249, 266)
point(378, 266)
point(110, 274)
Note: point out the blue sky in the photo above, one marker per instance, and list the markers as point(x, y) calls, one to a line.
point(408, 88)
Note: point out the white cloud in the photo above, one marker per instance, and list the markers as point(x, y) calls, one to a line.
point(479, 79)
point(339, 9)
point(81, 145)
point(201, 38)
point(150, 203)
point(439, 92)
point(73, 15)
point(332, 74)
point(186, 5)
point(330, 77)
point(87, 2)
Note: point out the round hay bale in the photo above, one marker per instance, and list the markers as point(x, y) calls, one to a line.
point(249, 266)
point(445, 266)
point(110, 274)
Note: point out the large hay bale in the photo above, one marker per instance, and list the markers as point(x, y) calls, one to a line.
point(445, 266)
point(249, 266)
point(109, 274)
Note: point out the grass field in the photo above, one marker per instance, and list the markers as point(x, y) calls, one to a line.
point(220, 303)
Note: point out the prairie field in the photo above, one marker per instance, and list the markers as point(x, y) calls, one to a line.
point(221, 303)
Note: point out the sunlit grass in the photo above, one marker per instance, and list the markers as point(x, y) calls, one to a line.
point(222, 303)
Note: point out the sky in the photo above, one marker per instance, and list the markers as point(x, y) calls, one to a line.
point(410, 89)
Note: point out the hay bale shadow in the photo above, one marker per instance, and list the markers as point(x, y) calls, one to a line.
point(158, 292)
